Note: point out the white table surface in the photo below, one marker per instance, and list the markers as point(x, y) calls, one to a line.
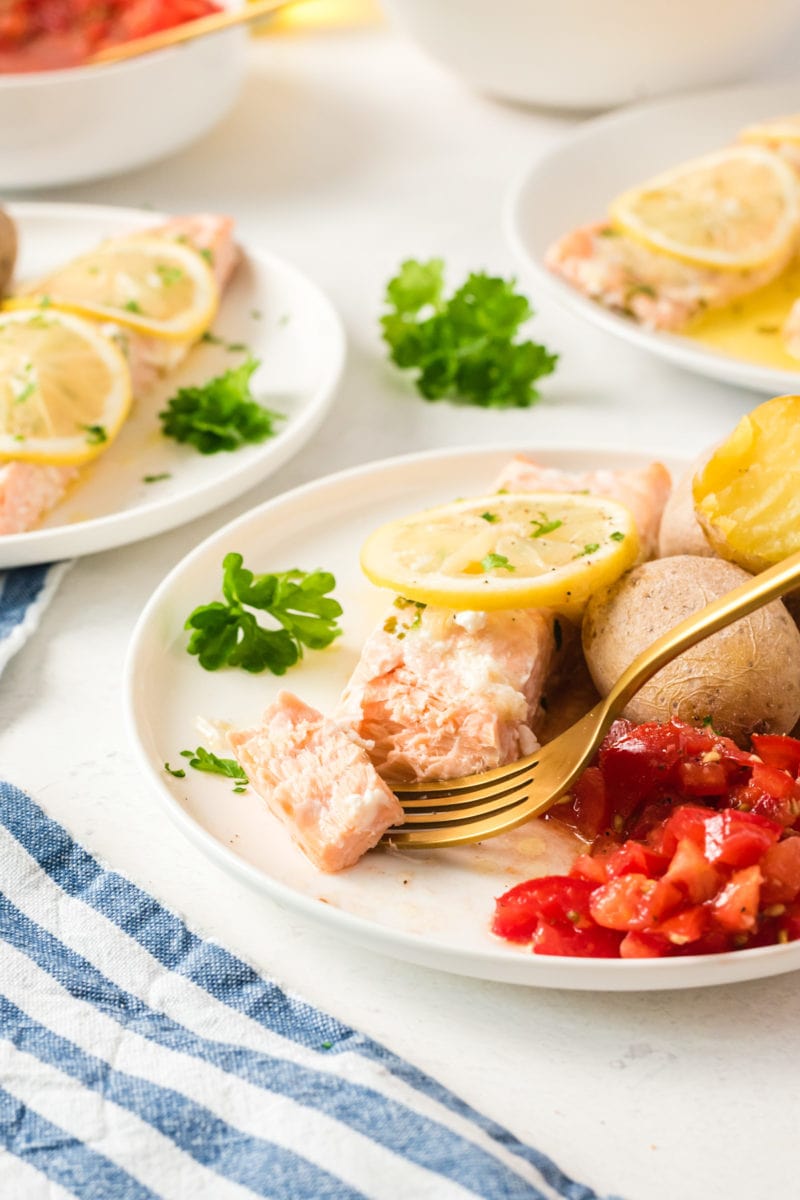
point(347, 153)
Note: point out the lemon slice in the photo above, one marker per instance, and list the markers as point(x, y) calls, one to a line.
point(734, 210)
point(65, 389)
point(779, 129)
point(158, 286)
point(525, 550)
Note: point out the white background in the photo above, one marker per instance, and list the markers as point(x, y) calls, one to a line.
point(347, 153)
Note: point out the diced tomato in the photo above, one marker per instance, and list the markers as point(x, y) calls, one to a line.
point(737, 839)
point(687, 926)
point(632, 902)
point(688, 821)
point(778, 751)
point(780, 867)
point(593, 942)
point(555, 899)
point(591, 867)
point(634, 858)
point(591, 811)
point(692, 873)
point(702, 778)
point(644, 945)
point(789, 925)
point(736, 907)
point(770, 792)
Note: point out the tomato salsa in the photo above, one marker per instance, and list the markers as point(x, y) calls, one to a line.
point(694, 849)
point(45, 35)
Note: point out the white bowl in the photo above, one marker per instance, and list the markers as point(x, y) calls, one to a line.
point(81, 123)
point(588, 54)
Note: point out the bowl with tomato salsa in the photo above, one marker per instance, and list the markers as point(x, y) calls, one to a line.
point(63, 121)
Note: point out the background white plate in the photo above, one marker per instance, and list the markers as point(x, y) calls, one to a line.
point(431, 908)
point(296, 334)
point(575, 182)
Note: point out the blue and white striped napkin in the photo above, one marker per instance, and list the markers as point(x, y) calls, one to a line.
point(139, 1061)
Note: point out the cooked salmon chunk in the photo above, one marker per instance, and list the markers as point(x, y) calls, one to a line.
point(28, 492)
point(656, 290)
point(643, 490)
point(317, 781)
point(438, 694)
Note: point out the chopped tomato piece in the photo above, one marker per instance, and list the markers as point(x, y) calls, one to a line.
point(687, 822)
point(554, 899)
point(736, 907)
point(576, 943)
point(780, 867)
point(632, 858)
point(632, 902)
point(590, 805)
point(691, 872)
point(587, 866)
point(644, 945)
point(778, 751)
point(687, 926)
point(738, 839)
point(702, 778)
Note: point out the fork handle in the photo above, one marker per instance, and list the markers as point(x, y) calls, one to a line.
point(761, 589)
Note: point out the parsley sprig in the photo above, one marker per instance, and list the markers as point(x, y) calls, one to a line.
point(229, 634)
point(220, 415)
point(464, 347)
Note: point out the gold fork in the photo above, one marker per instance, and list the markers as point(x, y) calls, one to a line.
point(457, 811)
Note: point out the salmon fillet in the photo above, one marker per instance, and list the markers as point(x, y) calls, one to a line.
point(657, 291)
point(317, 781)
point(643, 490)
point(438, 694)
point(29, 491)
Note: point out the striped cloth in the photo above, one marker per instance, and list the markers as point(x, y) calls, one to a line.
point(139, 1060)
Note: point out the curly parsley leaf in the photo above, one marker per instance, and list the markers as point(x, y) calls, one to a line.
point(229, 634)
point(220, 415)
point(204, 760)
point(466, 347)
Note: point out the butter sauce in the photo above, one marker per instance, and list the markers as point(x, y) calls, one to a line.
point(750, 328)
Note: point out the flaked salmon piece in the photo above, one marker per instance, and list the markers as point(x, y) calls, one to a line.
point(656, 290)
point(28, 491)
point(438, 694)
point(317, 781)
point(643, 490)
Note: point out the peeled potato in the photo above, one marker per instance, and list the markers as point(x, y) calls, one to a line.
point(8, 249)
point(746, 678)
point(747, 497)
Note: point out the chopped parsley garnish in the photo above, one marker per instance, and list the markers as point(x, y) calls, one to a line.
point(221, 414)
point(228, 634)
point(156, 478)
point(464, 347)
point(544, 526)
point(28, 388)
point(237, 348)
point(496, 560)
point(169, 275)
point(641, 289)
point(45, 302)
point(179, 774)
point(207, 255)
point(133, 306)
point(491, 517)
point(95, 434)
point(212, 339)
point(589, 548)
point(203, 760)
point(617, 536)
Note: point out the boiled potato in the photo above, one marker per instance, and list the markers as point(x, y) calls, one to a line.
point(747, 497)
point(8, 250)
point(680, 531)
point(746, 678)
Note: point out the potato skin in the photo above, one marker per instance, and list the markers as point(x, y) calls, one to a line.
point(680, 531)
point(8, 250)
point(746, 677)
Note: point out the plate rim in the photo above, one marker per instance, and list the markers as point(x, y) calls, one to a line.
point(110, 531)
point(676, 349)
point(503, 965)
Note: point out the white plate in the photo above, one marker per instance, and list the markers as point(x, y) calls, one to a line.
point(575, 182)
point(298, 337)
point(431, 908)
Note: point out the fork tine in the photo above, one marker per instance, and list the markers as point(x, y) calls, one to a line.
point(436, 837)
point(472, 801)
point(468, 784)
point(439, 818)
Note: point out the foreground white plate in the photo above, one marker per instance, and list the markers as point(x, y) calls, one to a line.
point(575, 182)
point(280, 315)
point(431, 908)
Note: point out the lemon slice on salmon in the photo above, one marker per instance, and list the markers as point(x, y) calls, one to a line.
point(158, 286)
point(778, 129)
point(734, 210)
point(65, 389)
point(514, 550)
